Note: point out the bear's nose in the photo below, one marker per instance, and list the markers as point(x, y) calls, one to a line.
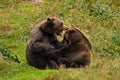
point(65, 27)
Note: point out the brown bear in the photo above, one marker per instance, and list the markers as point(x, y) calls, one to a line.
point(76, 52)
point(41, 42)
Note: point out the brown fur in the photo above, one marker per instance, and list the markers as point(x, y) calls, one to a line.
point(42, 41)
point(76, 52)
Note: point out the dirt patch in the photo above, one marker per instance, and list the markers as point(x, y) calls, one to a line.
point(6, 29)
point(1, 56)
point(36, 1)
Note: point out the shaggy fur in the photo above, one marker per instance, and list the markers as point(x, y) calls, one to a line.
point(42, 41)
point(76, 52)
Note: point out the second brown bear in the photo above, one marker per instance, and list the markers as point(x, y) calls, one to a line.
point(76, 52)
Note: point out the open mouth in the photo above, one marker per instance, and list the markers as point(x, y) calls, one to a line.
point(60, 32)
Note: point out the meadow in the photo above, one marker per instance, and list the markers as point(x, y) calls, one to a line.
point(99, 20)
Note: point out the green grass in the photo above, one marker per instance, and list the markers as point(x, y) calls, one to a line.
point(99, 20)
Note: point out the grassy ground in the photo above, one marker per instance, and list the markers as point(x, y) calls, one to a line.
point(99, 20)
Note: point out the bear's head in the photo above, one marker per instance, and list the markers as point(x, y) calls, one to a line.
point(72, 35)
point(53, 25)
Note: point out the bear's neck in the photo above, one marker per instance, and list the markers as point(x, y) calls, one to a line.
point(45, 31)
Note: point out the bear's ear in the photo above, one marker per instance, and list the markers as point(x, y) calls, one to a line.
point(49, 22)
point(48, 19)
point(72, 31)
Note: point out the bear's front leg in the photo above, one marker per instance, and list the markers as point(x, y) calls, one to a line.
point(42, 47)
